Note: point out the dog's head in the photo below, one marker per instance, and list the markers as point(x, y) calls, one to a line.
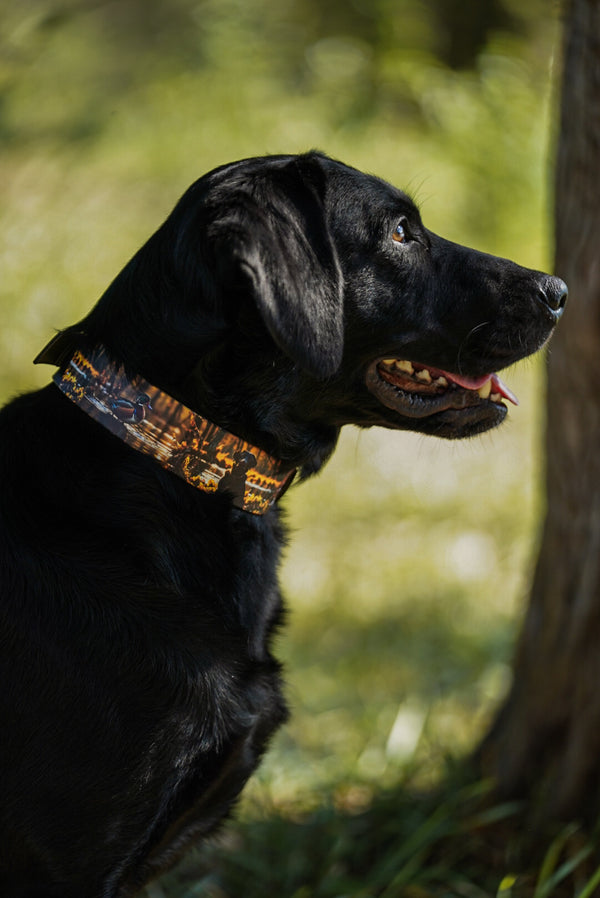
point(286, 296)
point(432, 321)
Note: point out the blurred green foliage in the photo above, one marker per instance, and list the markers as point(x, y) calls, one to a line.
point(409, 559)
point(108, 110)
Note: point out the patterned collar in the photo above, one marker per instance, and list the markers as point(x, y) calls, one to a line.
point(202, 453)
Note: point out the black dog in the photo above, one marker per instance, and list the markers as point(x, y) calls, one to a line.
point(283, 298)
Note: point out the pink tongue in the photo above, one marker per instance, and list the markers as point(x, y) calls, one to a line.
point(499, 387)
point(474, 383)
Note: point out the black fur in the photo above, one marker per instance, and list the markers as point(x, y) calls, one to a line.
point(138, 688)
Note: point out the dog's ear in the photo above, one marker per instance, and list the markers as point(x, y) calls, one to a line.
point(274, 231)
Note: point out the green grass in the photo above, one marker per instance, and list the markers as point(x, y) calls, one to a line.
point(399, 843)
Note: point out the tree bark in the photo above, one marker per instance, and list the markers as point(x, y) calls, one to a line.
point(545, 742)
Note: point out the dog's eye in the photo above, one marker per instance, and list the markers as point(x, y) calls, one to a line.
point(400, 235)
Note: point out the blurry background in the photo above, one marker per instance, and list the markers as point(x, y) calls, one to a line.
point(409, 559)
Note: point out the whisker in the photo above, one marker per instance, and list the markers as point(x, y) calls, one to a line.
point(463, 342)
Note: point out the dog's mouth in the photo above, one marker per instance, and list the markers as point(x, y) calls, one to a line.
point(418, 390)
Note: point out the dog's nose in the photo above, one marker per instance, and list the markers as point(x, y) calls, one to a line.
point(553, 293)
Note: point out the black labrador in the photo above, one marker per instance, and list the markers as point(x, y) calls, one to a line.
point(284, 297)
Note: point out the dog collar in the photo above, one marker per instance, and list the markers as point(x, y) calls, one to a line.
point(200, 452)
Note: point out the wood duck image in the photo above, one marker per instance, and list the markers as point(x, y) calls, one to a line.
point(131, 411)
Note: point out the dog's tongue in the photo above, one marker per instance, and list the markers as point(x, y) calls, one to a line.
point(499, 386)
point(475, 383)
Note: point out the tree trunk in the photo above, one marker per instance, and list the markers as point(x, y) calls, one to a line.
point(545, 742)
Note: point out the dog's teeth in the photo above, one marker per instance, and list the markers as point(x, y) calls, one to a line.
point(389, 363)
point(424, 376)
point(496, 397)
point(405, 366)
point(485, 390)
point(441, 382)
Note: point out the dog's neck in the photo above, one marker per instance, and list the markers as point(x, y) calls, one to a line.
point(202, 453)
